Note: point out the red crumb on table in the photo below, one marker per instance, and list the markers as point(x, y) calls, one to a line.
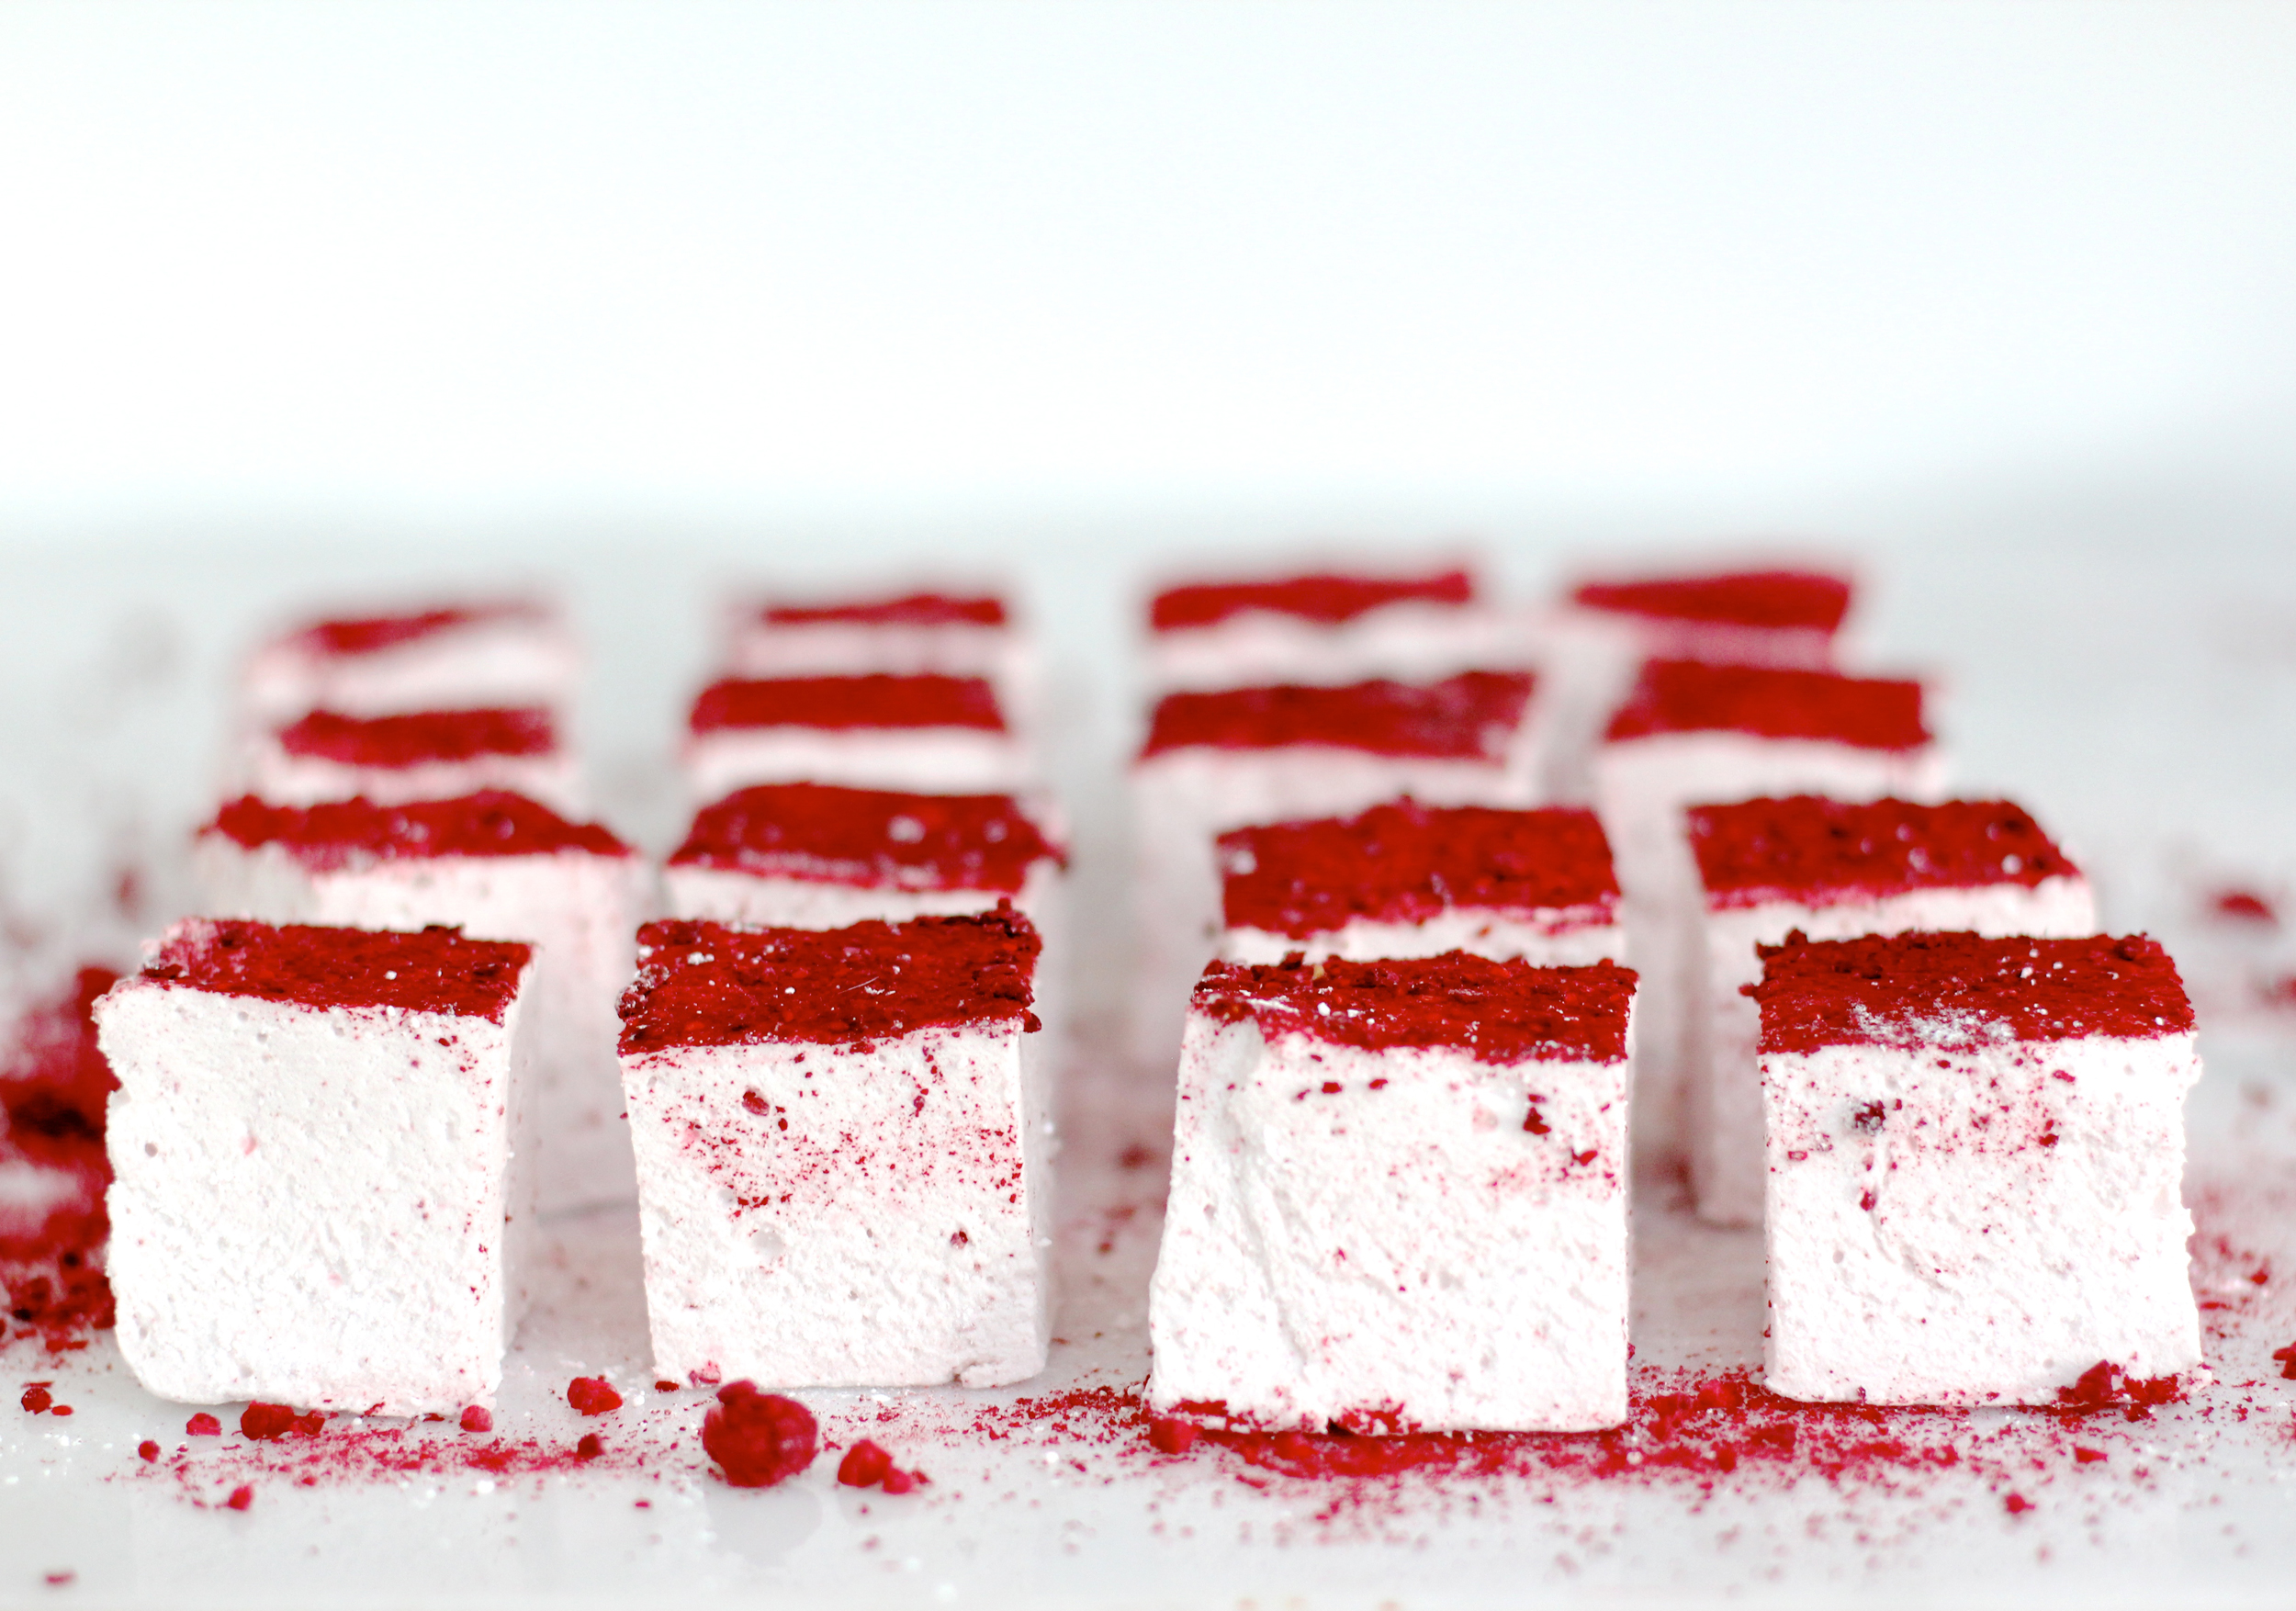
point(707, 985)
point(758, 1438)
point(593, 1395)
point(430, 970)
point(477, 1419)
point(37, 1398)
point(1778, 600)
point(1406, 863)
point(1760, 851)
point(2017, 1504)
point(905, 610)
point(268, 1421)
point(54, 1087)
point(2243, 905)
point(204, 1425)
point(590, 1447)
point(57, 1580)
point(347, 833)
point(367, 634)
point(868, 1465)
point(665, 1386)
point(1692, 696)
point(148, 1449)
point(2105, 1386)
point(60, 1410)
point(825, 834)
point(1500, 1012)
point(1472, 717)
point(1919, 989)
point(1324, 597)
point(419, 738)
point(878, 700)
point(241, 1498)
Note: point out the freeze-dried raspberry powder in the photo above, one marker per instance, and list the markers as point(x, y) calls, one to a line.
point(759, 1439)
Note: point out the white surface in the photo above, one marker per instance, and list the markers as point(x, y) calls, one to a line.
point(847, 1216)
point(314, 1206)
point(1946, 1255)
point(579, 911)
point(1334, 1252)
point(1727, 1174)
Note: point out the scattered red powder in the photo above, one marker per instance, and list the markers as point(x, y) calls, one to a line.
point(1406, 863)
point(477, 1419)
point(241, 1498)
point(1927, 989)
point(1322, 597)
point(705, 985)
point(348, 833)
point(432, 970)
point(420, 737)
point(758, 1438)
point(1691, 696)
point(1470, 717)
point(148, 1449)
point(907, 609)
point(829, 835)
point(1780, 599)
point(593, 1395)
point(1805, 847)
point(2105, 1385)
point(2244, 906)
point(877, 700)
point(204, 1425)
point(1502, 1012)
point(37, 1398)
point(270, 1421)
point(367, 634)
point(54, 1087)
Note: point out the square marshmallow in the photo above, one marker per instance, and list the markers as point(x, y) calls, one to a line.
point(1216, 761)
point(1324, 628)
point(841, 1142)
point(1833, 870)
point(501, 655)
point(1694, 733)
point(315, 1180)
point(1605, 629)
point(1404, 879)
point(927, 733)
point(1976, 1148)
point(948, 633)
point(500, 867)
point(414, 755)
point(1398, 1198)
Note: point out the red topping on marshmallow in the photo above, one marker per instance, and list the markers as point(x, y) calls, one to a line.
point(367, 635)
point(877, 700)
point(1779, 600)
point(342, 833)
point(907, 609)
point(759, 1439)
point(1467, 717)
point(419, 738)
point(706, 985)
point(1407, 863)
point(825, 834)
point(1692, 696)
point(1501, 1012)
point(1959, 990)
point(432, 970)
point(1327, 598)
point(1803, 848)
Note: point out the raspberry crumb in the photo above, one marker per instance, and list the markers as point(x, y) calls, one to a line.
point(475, 1419)
point(241, 1498)
point(1170, 1435)
point(758, 1438)
point(2017, 1504)
point(591, 1395)
point(898, 1481)
point(204, 1425)
point(60, 1410)
point(664, 1387)
point(37, 1399)
point(264, 1422)
point(57, 1580)
point(2086, 1457)
point(864, 1465)
point(589, 1449)
point(2287, 1357)
point(148, 1449)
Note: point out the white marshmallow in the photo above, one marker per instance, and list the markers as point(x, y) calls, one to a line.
point(472, 656)
point(269, 768)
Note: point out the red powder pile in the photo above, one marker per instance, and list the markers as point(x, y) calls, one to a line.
point(54, 1085)
point(1805, 847)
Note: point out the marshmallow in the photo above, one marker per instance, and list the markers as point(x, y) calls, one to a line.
point(925, 734)
point(949, 635)
point(505, 654)
point(414, 755)
point(1324, 628)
